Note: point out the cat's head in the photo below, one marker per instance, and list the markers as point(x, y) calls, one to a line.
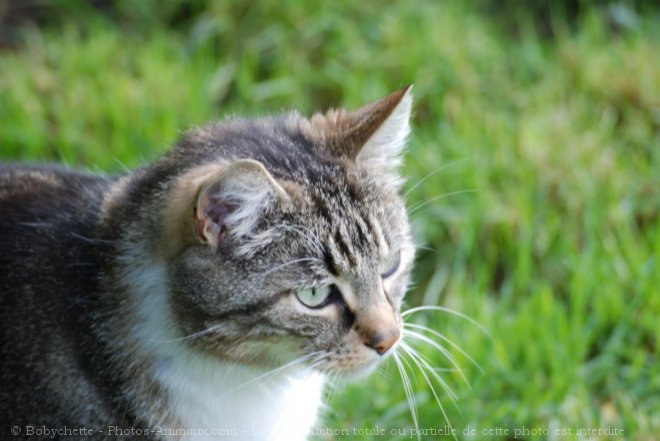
point(288, 237)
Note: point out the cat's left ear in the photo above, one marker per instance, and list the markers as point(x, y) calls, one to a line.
point(234, 201)
point(385, 124)
point(373, 135)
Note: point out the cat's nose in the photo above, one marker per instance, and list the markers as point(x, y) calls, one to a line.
point(383, 342)
point(379, 327)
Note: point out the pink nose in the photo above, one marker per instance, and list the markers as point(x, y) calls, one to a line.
point(382, 343)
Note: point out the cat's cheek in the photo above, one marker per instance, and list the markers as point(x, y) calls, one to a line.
point(357, 374)
point(353, 359)
point(278, 352)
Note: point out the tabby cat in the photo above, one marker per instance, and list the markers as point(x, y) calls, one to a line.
point(211, 294)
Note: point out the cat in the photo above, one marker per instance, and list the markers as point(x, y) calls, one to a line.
point(211, 294)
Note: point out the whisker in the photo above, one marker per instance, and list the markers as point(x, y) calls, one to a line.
point(407, 387)
point(298, 360)
point(422, 362)
point(122, 165)
point(92, 240)
point(382, 369)
point(314, 365)
point(416, 207)
point(423, 247)
point(413, 354)
point(332, 385)
point(191, 336)
point(437, 170)
point(434, 373)
point(449, 311)
point(412, 371)
point(444, 338)
point(304, 259)
point(440, 348)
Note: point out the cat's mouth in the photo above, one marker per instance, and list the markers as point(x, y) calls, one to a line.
point(353, 372)
point(353, 358)
point(359, 373)
point(351, 364)
point(359, 353)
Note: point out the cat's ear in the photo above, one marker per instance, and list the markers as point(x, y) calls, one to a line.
point(233, 202)
point(373, 135)
point(386, 125)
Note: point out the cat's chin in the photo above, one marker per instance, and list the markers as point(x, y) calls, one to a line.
point(354, 374)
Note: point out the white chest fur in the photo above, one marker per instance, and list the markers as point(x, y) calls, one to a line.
point(221, 401)
point(213, 400)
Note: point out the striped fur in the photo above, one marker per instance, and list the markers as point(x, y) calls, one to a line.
point(166, 298)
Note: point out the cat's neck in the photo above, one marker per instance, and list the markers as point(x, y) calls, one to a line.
point(206, 398)
point(240, 402)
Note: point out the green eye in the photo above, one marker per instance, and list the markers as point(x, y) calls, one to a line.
point(391, 264)
point(313, 297)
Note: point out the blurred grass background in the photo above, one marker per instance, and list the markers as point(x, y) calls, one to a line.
point(534, 170)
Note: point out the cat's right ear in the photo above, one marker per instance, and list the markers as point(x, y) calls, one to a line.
point(233, 202)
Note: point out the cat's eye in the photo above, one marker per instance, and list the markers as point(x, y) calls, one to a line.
point(316, 297)
point(391, 264)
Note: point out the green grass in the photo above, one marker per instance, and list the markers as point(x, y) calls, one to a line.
point(542, 154)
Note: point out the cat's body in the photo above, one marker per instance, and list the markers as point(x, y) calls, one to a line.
point(206, 296)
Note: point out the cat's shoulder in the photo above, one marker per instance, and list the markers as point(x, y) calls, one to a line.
point(29, 178)
point(47, 193)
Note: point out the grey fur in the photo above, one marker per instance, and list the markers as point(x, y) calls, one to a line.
point(72, 243)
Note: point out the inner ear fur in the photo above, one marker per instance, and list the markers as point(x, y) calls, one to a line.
point(376, 129)
point(215, 199)
point(233, 202)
